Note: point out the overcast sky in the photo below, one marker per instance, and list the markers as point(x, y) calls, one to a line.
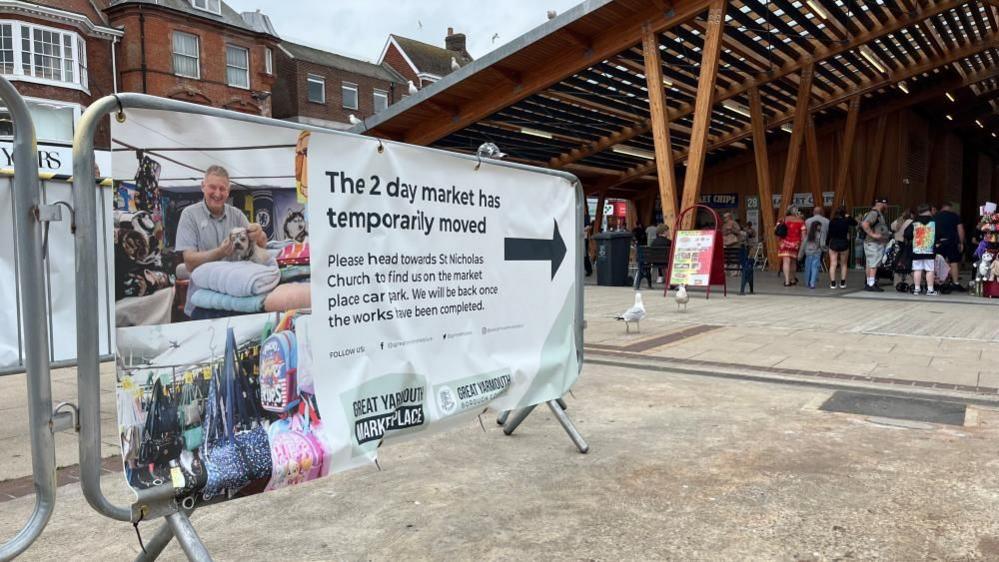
point(359, 28)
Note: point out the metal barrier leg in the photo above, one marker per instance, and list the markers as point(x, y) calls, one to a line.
point(561, 403)
point(501, 419)
point(517, 419)
point(188, 537)
point(568, 426)
point(156, 545)
point(30, 277)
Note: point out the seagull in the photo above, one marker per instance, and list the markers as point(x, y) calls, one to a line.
point(454, 64)
point(419, 24)
point(489, 150)
point(412, 88)
point(495, 37)
point(354, 120)
point(552, 14)
point(633, 314)
point(682, 298)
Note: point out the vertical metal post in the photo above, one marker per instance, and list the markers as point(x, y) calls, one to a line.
point(30, 279)
point(188, 537)
point(87, 335)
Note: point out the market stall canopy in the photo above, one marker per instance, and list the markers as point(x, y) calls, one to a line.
point(188, 144)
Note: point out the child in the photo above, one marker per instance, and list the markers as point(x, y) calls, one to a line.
point(812, 250)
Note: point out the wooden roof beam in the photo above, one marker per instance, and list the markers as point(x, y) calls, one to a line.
point(609, 42)
point(660, 126)
point(868, 86)
point(765, 78)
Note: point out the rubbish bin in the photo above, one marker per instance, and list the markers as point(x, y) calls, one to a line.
point(613, 253)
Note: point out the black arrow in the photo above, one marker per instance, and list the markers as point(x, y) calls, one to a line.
point(534, 249)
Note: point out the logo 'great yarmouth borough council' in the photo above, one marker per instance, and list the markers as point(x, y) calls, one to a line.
point(446, 401)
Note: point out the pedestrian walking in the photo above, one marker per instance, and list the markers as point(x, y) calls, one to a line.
point(790, 231)
point(922, 232)
point(875, 234)
point(950, 240)
point(838, 241)
point(811, 250)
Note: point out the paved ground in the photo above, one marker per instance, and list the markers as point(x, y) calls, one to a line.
point(707, 442)
point(681, 468)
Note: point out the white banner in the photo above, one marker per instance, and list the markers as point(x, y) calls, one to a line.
point(438, 288)
point(416, 288)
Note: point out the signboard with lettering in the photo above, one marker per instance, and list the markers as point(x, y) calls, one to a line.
point(55, 159)
point(693, 251)
point(720, 200)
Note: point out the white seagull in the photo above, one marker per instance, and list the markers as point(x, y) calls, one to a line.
point(412, 88)
point(354, 120)
point(633, 314)
point(682, 298)
point(454, 64)
point(552, 14)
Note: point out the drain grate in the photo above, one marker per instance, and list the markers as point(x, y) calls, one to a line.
point(917, 409)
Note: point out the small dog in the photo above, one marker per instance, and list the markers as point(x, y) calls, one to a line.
point(246, 249)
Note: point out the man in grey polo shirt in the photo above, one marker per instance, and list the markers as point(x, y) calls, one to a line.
point(203, 229)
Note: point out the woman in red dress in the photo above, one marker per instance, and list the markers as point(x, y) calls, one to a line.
point(787, 250)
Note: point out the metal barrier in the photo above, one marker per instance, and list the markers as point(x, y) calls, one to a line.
point(29, 214)
point(58, 276)
point(28, 217)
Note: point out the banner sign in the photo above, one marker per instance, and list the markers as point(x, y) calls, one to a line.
point(721, 200)
point(692, 258)
point(414, 289)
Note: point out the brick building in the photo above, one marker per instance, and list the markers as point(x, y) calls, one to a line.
point(423, 63)
point(199, 51)
point(58, 54)
point(320, 88)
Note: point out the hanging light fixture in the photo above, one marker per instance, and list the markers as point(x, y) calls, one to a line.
point(950, 97)
point(903, 87)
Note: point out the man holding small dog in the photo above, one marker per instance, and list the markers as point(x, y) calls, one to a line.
point(203, 229)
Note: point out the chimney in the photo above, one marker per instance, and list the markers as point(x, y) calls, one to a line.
point(455, 42)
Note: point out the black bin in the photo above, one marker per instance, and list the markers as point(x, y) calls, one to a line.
point(613, 253)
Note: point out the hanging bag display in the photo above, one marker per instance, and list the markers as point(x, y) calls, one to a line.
point(189, 413)
point(278, 372)
point(298, 453)
point(161, 433)
point(236, 449)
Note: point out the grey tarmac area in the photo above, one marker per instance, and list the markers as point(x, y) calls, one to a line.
point(681, 467)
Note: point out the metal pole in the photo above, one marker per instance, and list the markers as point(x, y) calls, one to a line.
point(518, 418)
point(36, 342)
point(188, 537)
point(568, 426)
point(88, 376)
point(501, 419)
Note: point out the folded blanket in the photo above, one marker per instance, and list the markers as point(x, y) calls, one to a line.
point(293, 272)
point(207, 298)
point(237, 278)
point(289, 296)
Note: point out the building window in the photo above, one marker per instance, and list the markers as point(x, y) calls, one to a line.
point(186, 55)
point(349, 93)
point(46, 54)
point(53, 121)
point(317, 88)
point(213, 6)
point(7, 48)
point(268, 60)
point(381, 100)
point(237, 67)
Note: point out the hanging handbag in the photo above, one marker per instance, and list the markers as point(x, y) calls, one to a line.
point(278, 369)
point(298, 454)
point(161, 436)
point(191, 405)
point(233, 458)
